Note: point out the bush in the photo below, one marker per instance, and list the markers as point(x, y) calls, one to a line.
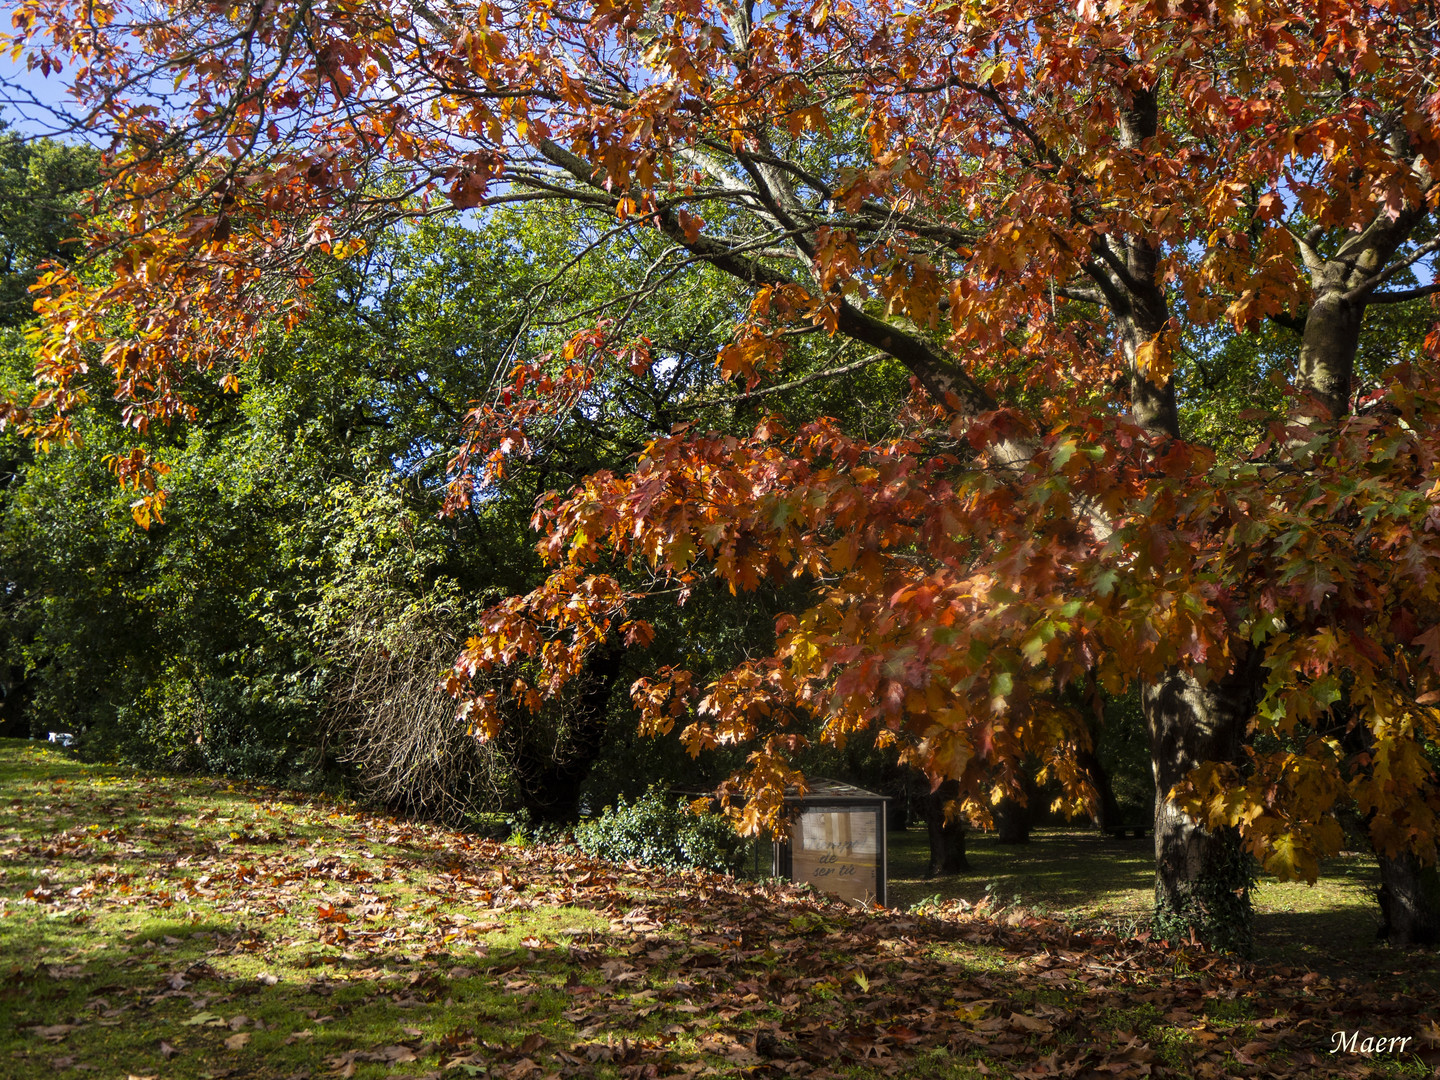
point(526, 830)
point(663, 833)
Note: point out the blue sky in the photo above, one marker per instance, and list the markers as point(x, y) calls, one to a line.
point(32, 104)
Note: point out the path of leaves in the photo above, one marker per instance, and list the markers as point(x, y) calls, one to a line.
point(311, 940)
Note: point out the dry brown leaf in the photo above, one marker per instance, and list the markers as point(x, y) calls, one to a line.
point(56, 1032)
point(1030, 1023)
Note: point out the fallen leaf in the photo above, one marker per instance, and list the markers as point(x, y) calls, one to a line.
point(56, 1032)
point(1030, 1023)
point(238, 1041)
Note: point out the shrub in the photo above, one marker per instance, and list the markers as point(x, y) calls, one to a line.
point(661, 832)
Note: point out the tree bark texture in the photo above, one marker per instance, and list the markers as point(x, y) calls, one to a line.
point(1342, 286)
point(1130, 265)
point(1408, 901)
point(1107, 814)
point(1015, 818)
point(1202, 877)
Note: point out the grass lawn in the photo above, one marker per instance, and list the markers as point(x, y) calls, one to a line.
point(189, 929)
point(1086, 877)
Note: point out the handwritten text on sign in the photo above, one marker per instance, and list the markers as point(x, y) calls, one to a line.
point(837, 852)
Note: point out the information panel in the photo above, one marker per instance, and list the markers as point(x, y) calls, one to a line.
point(837, 851)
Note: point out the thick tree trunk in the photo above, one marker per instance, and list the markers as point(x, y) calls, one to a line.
point(1329, 341)
point(947, 838)
point(897, 781)
point(1341, 288)
point(1202, 878)
point(14, 719)
point(1409, 893)
point(1014, 819)
point(1133, 290)
point(1408, 901)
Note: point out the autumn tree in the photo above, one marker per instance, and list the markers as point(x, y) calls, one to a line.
point(1052, 216)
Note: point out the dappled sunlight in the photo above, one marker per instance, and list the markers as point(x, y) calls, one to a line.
point(1059, 870)
point(226, 930)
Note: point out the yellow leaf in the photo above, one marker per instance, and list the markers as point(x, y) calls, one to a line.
point(1154, 361)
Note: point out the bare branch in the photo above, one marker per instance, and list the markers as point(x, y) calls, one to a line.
point(813, 377)
point(1404, 295)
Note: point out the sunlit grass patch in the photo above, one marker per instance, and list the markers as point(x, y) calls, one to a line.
point(189, 928)
point(1089, 879)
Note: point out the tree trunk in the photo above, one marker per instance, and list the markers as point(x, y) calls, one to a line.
point(947, 838)
point(14, 718)
point(1107, 813)
point(896, 780)
point(1134, 294)
point(1329, 341)
point(1012, 821)
point(1342, 287)
point(1202, 877)
point(1408, 895)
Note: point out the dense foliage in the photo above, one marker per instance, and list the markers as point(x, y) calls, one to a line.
point(659, 831)
point(292, 615)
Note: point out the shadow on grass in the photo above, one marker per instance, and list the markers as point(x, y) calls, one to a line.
point(184, 999)
point(1095, 879)
point(697, 977)
point(167, 999)
point(1058, 870)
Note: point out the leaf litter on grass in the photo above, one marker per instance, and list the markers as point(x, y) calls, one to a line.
point(188, 928)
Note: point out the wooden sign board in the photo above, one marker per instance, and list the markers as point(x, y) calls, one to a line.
point(837, 846)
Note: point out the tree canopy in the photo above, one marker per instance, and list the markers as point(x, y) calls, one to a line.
point(1069, 225)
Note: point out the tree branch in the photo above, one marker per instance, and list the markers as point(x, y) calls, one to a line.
point(1083, 296)
point(1404, 295)
point(815, 376)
